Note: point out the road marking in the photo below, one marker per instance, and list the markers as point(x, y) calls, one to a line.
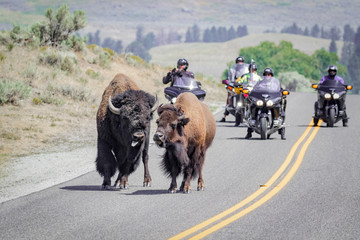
point(254, 195)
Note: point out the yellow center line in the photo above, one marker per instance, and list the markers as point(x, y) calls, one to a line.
point(268, 196)
point(253, 195)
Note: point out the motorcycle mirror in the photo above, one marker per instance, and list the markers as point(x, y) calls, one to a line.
point(285, 92)
point(245, 90)
point(348, 87)
point(314, 86)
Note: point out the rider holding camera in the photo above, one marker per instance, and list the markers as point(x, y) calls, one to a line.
point(181, 70)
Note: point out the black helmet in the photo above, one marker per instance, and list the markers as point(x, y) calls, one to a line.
point(182, 62)
point(239, 59)
point(252, 66)
point(268, 70)
point(332, 69)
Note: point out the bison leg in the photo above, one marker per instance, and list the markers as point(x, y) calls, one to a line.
point(145, 156)
point(199, 167)
point(185, 185)
point(105, 163)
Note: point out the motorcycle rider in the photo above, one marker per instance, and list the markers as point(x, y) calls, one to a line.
point(268, 82)
point(251, 76)
point(176, 73)
point(332, 71)
point(235, 72)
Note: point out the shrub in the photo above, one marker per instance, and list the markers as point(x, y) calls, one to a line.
point(294, 81)
point(13, 91)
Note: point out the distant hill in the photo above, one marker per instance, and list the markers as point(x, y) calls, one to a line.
point(212, 58)
point(119, 19)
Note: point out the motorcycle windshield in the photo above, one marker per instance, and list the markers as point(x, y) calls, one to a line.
point(186, 83)
point(241, 69)
point(331, 85)
point(270, 85)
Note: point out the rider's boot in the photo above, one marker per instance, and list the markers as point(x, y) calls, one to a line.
point(249, 133)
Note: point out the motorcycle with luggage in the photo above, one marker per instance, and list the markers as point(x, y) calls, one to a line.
point(330, 106)
point(267, 110)
point(184, 84)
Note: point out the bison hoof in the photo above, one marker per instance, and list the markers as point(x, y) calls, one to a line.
point(187, 191)
point(172, 190)
point(125, 187)
point(147, 184)
point(105, 187)
point(201, 188)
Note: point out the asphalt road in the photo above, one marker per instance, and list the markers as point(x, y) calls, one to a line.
point(315, 194)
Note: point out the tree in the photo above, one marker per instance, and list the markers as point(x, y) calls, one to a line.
point(332, 47)
point(349, 33)
point(59, 26)
point(231, 33)
point(138, 49)
point(354, 64)
point(315, 31)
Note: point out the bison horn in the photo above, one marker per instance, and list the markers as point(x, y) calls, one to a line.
point(156, 104)
point(112, 108)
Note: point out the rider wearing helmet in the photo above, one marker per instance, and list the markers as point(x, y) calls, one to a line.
point(269, 83)
point(236, 71)
point(181, 70)
point(251, 76)
point(332, 71)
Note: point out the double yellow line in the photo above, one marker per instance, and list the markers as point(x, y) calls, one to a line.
point(257, 193)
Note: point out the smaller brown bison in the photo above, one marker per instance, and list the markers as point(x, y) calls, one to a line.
point(186, 129)
point(123, 125)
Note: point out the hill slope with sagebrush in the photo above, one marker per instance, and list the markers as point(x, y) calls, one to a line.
point(50, 105)
point(212, 58)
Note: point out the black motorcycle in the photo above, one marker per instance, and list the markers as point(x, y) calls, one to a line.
point(330, 106)
point(267, 111)
point(184, 84)
point(236, 101)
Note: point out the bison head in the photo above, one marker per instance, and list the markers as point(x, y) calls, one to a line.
point(170, 124)
point(131, 113)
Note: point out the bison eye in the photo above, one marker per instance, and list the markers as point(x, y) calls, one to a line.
point(173, 126)
point(157, 121)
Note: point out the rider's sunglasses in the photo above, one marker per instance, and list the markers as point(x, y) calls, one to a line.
point(267, 74)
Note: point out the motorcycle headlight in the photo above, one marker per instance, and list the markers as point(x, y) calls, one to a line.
point(327, 96)
point(269, 103)
point(239, 104)
point(336, 96)
point(259, 103)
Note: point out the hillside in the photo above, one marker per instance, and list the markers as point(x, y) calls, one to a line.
point(212, 58)
point(59, 113)
point(119, 19)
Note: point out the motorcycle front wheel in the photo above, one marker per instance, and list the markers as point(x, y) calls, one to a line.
point(331, 117)
point(263, 128)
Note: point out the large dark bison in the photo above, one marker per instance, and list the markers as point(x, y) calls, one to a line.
point(123, 126)
point(186, 129)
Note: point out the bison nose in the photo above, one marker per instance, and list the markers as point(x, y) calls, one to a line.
point(158, 137)
point(138, 137)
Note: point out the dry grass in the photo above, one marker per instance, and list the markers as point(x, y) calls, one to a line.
point(34, 126)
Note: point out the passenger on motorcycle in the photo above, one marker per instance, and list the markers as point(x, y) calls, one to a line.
point(332, 71)
point(270, 84)
point(176, 73)
point(236, 71)
point(251, 77)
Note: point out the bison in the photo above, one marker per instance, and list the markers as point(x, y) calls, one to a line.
point(186, 130)
point(123, 126)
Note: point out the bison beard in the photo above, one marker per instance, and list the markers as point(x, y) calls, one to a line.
point(123, 131)
point(186, 129)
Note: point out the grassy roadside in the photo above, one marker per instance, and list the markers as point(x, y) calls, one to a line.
point(59, 111)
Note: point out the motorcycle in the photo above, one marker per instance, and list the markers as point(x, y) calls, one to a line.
point(331, 98)
point(267, 110)
point(184, 84)
point(235, 102)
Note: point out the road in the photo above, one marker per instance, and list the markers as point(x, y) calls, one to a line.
point(260, 190)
